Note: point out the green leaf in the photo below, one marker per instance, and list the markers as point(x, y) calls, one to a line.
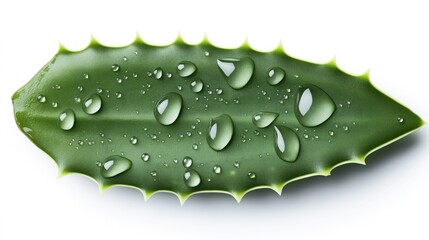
point(196, 118)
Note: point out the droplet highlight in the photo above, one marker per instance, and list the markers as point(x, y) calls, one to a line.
point(286, 143)
point(168, 108)
point(220, 132)
point(313, 106)
point(264, 119)
point(237, 71)
point(115, 165)
point(66, 119)
point(93, 104)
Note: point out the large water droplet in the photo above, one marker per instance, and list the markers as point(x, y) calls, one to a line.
point(186, 68)
point(93, 104)
point(313, 106)
point(134, 140)
point(275, 75)
point(220, 132)
point(237, 71)
point(197, 85)
point(158, 73)
point(286, 143)
point(115, 67)
point(187, 162)
point(145, 157)
point(264, 119)
point(41, 98)
point(217, 169)
point(168, 108)
point(66, 119)
point(115, 165)
point(192, 178)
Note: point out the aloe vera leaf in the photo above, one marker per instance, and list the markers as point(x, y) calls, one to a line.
point(197, 118)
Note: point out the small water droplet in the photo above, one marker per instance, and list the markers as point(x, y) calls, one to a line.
point(400, 120)
point(115, 165)
point(313, 106)
point(251, 175)
point(206, 53)
point(86, 75)
point(145, 157)
point(134, 140)
point(237, 71)
point(66, 119)
point(118, 95)
point(98, 164)
point(93, 104)
point(217, 169)
point(331, 133)
point(54, 104)
point(218, 91)
point(275, 75)
point(237, 165)
point(345, 128)
point(192, 178)
point(195, 146)
point(153, 136)
point(264, 119)
point(125, 59)
point(115, 67)
point(286, 143)
point(220, 132)
point(187, 162)
point(158, 73)
point(41, 98)
point(168, 108)
point(305, 135)
point(153, 173)
point(197, 85)
point(186, 68)
point(169, 75)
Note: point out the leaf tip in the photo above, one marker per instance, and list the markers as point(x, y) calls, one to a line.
point(62, 48)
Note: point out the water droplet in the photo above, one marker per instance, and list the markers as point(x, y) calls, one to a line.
point(400, 120)
point(153, 173)
point(125, 59)
point(41, 98)
point(313, 106)
point(197, 85)
point(169, 75)
point(195, 146)
point(118, 95)
point(286, 143)
point(54, 104)
point(134, 140)
point(186, 68)
point(237, 165)
point(220, 132)
point(237, 71)
point(93, 104)
point(86, 75)
point(251, 175)
point(67, 119)
point(145, 157)
point(275, 75)
point(187, 162)
point(115, 67)
point(206, 53)
point(158, 73)
point(345, 128)
point(331, 133)
point(217, 169)
point(168, 108)
point(192, 178)
point(264, 119)
point(115, 165)
point(219, 91)
point(305, 135)
point(153, 136)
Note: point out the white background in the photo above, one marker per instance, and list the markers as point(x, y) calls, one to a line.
point(387, 198)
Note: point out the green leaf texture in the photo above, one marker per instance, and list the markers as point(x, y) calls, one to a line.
point(197, 118)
